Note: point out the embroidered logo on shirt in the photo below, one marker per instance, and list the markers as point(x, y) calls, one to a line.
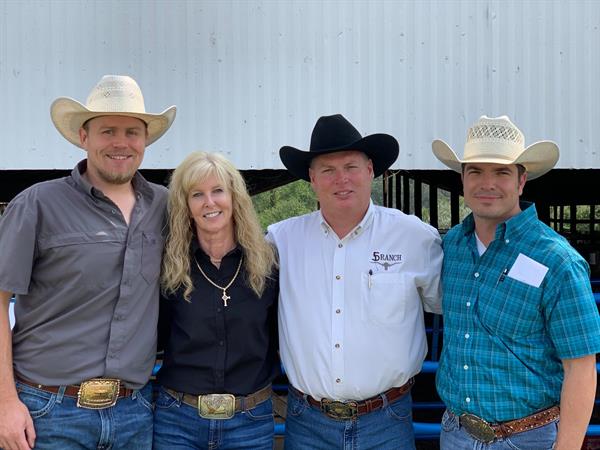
point(386, 260)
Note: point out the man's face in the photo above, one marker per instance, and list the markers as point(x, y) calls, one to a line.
point(115, 147)
point(492, 190)
point(342, 181)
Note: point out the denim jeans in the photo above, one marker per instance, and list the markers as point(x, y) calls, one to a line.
point(178, 426)
point(60, 424)
point(388, 428)
point(454, 437)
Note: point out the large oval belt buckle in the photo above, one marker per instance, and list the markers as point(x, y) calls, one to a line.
point(478, 428)
point(339, 410)
point(216, 406)
point(98, 393)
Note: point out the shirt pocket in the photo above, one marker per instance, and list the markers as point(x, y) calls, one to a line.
point(383, 297)
point(152, 248)
point(511, 309)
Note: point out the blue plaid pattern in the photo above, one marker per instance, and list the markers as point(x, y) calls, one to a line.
point(504, 339)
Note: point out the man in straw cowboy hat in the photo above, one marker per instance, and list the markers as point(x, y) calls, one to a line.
point(521, 327)
point(82, 254)
point(354, 280)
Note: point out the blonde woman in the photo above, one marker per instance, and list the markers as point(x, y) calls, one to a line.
point(220, 310)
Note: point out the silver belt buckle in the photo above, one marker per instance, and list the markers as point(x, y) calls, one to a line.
point(478, 428)
point(98, 393)
point(216, 406)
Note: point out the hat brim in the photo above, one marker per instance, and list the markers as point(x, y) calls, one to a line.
point(68, 115)
point(538, 158)
point(381, 149)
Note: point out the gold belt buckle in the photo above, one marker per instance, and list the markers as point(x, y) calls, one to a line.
point(478, 428)
point(339, 410)
point(216, 406)
point(98, 393)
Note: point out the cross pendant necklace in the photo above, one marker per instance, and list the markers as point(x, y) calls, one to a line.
point(224, 297)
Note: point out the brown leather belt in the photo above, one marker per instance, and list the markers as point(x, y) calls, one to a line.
point(242, 403)
point(71, 390)
point(352, 409)
point(486, 432)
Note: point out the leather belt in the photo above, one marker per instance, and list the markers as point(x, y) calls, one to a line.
point(96, 393)
point(352, 409)
point(242, 403)
point(486, 432)
point(71, 390)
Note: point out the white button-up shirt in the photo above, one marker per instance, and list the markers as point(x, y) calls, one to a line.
point(351, 310)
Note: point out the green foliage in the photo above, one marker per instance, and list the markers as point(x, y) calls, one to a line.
point(293, 199)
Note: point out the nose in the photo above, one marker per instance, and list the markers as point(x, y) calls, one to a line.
point(119, 141)
point(487, 181)
point(209, 200)
point(341, 176)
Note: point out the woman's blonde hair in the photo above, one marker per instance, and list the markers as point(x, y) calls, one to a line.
point(259, 255)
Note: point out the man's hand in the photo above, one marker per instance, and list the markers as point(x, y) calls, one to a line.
point(16, 425)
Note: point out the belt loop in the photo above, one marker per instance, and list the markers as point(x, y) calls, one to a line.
point(384, 399)
point(134, 394)
point(242, 402)
point(60, 394)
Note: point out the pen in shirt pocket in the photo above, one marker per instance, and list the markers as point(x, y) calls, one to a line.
point(369, 280)
point(502, 276)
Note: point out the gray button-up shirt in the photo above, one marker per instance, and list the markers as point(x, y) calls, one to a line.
point(86, 282)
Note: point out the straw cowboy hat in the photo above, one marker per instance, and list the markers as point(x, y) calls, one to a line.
point(114, 95)
point(335, 134)
point(497, 140)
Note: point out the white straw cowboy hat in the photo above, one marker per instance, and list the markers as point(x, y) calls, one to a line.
point(497, 140)
point(114, 95)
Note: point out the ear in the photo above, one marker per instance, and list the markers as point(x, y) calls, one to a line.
point(83, 135)
point(522, 181)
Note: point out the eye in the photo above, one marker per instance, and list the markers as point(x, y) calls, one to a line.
point(133, 132)
point(196, 194)
point(107, 131)
point(218, 190)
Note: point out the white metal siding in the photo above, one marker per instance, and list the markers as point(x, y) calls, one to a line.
point(250, 76)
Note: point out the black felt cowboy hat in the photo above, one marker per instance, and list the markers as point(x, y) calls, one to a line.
point(335, 134)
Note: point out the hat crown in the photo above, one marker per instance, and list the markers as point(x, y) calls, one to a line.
point(332, 132)
point(496, 136)
point(116, 93)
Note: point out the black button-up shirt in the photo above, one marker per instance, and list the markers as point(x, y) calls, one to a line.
point(211, 348)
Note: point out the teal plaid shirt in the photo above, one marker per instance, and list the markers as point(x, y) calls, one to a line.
point(504, 339)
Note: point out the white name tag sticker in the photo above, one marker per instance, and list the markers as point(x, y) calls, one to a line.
point(528, 271)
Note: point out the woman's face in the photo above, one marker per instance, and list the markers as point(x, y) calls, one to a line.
point(211, 207)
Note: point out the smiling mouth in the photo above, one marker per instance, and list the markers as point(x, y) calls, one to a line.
point(210, 215)
point(119, 157)
point(343, 193)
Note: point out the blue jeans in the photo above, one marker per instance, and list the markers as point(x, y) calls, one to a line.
point(388, 428)
point(60, 424)
point(178, 426)
point(454, 437)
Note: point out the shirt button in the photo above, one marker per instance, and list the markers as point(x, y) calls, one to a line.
point(218, 310)
point(221, 343)
point(476, 274)
point(468, 304)
point(340, 245)
point(113, 211)
point(466, 367)
point(337, 345)
point(507, 241)
point(338, 380)
point(338, 311)
point(467, 336)
point(468, 399)
point(338, 277)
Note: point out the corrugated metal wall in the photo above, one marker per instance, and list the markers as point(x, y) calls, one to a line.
point(249, 76)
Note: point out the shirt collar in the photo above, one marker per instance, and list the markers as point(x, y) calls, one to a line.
point(510, 229)
point(364, 224)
